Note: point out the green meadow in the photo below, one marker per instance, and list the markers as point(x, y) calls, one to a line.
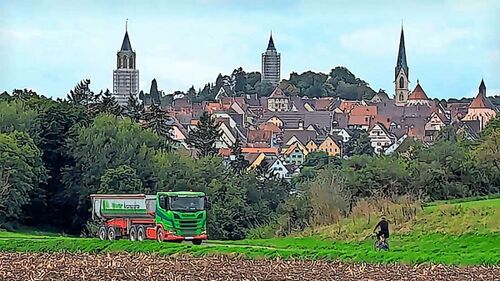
point(464, 233)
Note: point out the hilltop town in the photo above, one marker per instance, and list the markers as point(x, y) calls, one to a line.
point(284, 126)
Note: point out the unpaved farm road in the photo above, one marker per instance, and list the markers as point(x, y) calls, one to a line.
point(122, 266)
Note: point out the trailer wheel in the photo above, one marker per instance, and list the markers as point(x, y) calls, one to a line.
point(111, 233)
point(132, 233)
point(103, 233)
point(141, 233)
point(159, 234)
point(197, 241)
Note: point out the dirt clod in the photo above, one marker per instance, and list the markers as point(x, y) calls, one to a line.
point(123, 266)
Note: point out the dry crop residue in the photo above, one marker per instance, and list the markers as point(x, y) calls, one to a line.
point(123, 266)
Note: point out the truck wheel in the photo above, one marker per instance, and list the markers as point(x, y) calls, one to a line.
point(103, 233)
point(111, 233)
point(159, 234)
point(141, 233)
point(197, 242)
point(132, 233)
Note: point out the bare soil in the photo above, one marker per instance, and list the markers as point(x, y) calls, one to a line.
point(123, 266)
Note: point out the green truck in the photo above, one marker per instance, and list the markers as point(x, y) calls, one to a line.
point(166, 216)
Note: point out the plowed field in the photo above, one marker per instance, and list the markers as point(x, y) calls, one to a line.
point(124, 266)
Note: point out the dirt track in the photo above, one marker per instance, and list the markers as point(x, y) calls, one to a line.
point(25, 266)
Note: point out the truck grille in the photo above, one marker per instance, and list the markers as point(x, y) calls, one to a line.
point(188, 227)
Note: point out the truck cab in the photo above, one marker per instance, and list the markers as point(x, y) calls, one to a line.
point(181, 216)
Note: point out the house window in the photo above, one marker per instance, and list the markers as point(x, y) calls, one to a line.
point(299, 156)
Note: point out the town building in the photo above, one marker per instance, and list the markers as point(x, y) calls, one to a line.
point(481, 108)
point(278, 101)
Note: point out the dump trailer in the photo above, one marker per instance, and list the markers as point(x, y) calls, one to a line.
point(166, 216)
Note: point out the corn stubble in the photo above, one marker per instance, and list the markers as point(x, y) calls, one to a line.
point(123, 266)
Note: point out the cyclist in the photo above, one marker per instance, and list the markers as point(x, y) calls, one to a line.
point(383, 234)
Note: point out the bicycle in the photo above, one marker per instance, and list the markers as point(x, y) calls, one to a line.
point(380, 244)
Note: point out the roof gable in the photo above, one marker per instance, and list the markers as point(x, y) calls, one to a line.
point(418, 93)
point(278, 93)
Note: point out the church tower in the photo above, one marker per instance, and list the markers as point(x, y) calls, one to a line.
point(125, 76)
point(401, 74)
point(271, 63)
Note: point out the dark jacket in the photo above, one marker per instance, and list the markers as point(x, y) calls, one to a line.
point(384, 226)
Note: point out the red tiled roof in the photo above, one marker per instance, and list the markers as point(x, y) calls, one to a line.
point(364, 110)
point(259, 136)
point(480, 101)
point(418, 94)
point(346, 105)
point(386, 121)
point(323, 103)
point(225, 152)
point(359, 120)
point(270, 127)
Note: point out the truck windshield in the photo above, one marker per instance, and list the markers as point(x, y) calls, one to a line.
point(187, 203)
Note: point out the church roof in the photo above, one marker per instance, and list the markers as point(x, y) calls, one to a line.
point(270, 45)
point(126, 46)
point(401, 62)
point(481, 101)
point(418, 94)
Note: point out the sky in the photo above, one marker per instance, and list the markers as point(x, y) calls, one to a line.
point(49, 46)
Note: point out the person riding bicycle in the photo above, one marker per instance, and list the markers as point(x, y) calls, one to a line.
point(383, 224)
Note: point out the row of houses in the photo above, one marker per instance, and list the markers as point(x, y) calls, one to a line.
point(282, 130)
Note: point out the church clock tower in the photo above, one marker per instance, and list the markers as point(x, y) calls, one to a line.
point(401, 74)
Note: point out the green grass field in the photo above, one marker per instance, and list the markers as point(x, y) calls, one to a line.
point(462, 233)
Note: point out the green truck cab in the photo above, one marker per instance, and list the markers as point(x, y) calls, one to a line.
point(182, 215)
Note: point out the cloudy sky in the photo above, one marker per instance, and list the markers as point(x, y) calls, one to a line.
point(49, 46)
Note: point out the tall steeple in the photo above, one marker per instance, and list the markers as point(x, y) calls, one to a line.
point(271, 64)
point(401, 62)
point(401, 73)
point(125, 76)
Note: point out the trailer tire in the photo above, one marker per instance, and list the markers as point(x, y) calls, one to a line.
point(103, 233)
point(111, 233)
point(141, 233)
point(160, 234)
point(197, 242)
point(132, 233)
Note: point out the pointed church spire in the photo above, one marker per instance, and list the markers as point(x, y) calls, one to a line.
point(126, 46)
point(270, 45)
point(401, 63)
point(482, 88)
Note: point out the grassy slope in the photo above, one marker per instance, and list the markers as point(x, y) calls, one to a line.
point(465, 233)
